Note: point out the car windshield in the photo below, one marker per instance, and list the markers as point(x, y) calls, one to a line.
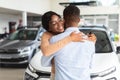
point(23, 35)
point(103, 44)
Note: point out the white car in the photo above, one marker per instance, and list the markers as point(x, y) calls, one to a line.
point(105, 66)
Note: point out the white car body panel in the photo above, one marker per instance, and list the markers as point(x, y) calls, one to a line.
point(101, 62)
point(36, 62)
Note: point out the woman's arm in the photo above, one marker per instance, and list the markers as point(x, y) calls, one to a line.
point(49, 49)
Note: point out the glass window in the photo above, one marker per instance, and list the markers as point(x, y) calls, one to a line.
point(23, 35)
point(101, 21)
point(113, 22)
point(89, 21)
point(114, 25)
point(113, 16)
point(103, 44)
point(109, 2)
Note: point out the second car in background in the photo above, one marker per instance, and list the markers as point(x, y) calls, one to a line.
point(20, 46)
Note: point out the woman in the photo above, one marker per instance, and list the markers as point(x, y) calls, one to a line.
point(54, 25)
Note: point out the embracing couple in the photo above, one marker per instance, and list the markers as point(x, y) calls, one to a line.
point(63, 46)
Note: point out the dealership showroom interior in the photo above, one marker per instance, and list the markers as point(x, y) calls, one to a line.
point(21, 29)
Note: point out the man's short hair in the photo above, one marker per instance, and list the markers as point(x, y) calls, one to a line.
point(46, 18)
point(71, 13)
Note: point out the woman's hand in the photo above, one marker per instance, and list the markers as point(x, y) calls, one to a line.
point(77, 37)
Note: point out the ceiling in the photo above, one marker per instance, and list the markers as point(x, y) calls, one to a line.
point(15, 12)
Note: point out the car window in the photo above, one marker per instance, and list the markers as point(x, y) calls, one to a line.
point(13, 36)
point(31, 34)
point(103, 44)
point(23, 35)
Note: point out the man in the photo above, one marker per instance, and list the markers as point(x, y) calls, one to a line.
point(53, 25)
point(73, 61)
point(20, 25)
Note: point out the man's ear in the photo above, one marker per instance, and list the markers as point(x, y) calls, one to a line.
point(79, 20)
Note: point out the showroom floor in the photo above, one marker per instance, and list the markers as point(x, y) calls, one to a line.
point(11, 73)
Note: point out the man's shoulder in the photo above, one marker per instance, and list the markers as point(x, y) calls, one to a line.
point(89, 42)
point(59, 36)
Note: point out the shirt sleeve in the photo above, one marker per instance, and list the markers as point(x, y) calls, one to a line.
point(92, 55)
point(46, 61)
point(50, 48)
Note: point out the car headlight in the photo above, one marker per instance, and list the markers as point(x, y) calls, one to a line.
point(41, 74)
point(28, 77)
point(104, 73)
point(31, 68)
point(26, 49)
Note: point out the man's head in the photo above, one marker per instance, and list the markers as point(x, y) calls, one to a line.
point(51, 21)
point(71, 14)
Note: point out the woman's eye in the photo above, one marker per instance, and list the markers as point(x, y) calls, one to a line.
point(54, 23)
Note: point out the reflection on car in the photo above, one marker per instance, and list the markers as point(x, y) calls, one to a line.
point(105, 64)
point(20, 46)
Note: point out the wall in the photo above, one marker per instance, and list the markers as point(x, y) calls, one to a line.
point(85, 10)
point(34, 6)
point(56, 7)
point(5, 19)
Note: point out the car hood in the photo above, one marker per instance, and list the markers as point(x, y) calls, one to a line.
point(101, 62)
point(13, 44)
point(36, 62)
point(104, 61)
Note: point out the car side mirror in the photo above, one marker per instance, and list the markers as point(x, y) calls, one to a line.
point(118, 49)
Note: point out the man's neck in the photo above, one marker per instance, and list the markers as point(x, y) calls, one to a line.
point(72, 25)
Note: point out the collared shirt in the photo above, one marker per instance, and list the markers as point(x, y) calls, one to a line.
point(73, 61)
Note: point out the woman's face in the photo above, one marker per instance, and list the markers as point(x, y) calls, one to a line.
point(56, 25)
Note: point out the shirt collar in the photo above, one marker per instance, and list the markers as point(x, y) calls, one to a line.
point(71, 29)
